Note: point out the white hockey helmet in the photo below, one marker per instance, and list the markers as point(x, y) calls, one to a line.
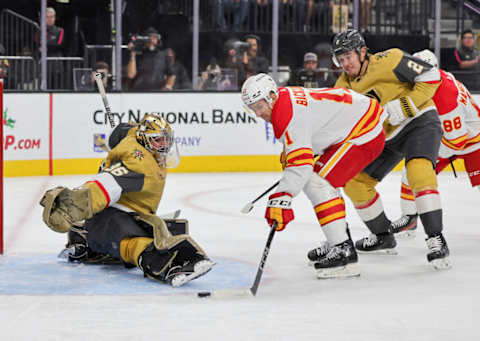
point(258, 87)
point(427, 56)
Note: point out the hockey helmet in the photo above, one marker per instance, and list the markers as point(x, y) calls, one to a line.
point(347, 41)
point(258, 87)
point(427, 56)
point(155, 134)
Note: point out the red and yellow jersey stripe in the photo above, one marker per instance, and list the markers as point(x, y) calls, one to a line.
point(457, 143)
point(472, 140)
point(300, 157)
point(368, 122)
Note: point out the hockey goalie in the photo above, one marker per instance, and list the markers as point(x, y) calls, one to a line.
point(111, 217)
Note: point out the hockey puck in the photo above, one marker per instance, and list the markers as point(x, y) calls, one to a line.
point(204, 294)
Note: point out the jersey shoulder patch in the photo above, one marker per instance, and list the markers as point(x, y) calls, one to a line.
point(282, 112)
point(409, 68)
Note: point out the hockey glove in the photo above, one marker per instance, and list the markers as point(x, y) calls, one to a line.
point(400, 109)
point(279, 210)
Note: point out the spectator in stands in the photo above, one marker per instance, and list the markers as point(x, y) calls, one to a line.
point(209, 79)
point(55, 48)
point(3, 68)
point(254, 62)
point(55, 35)
point(311, 76)
point(182, 81)
point(468, 58)
point(104, 69)
point(153, 70)
point(245, 58)
point(237, 8)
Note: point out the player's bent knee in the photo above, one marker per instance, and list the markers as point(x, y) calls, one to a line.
point(318, 189)
point(361, 188)
point(421, 175)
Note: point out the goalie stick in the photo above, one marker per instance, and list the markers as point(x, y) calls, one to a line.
point(101, 89)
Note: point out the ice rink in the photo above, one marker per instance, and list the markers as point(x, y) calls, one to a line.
point(395, 298)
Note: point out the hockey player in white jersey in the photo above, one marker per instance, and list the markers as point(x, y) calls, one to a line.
point(341, 126)
point(460, 118)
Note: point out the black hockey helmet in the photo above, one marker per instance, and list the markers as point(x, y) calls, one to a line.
point(347, 41)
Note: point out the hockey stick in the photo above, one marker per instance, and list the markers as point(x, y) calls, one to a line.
point(248, 207)
point(263, 260)
point(230, 293)
point(101, 89)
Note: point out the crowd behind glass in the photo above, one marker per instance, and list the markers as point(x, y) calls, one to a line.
point(151, 65)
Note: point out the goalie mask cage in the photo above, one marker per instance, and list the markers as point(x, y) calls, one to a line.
point(1, 169)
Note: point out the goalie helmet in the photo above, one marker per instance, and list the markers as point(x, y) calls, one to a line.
point(155, 134)
point(349, 40)
point(258, 87)
point(427, 56)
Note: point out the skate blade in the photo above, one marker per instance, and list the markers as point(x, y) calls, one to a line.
point(346, 271)
point(405, 235)
point(201, 269)
point(441, 263)
point(66, 252)
point(390, 252)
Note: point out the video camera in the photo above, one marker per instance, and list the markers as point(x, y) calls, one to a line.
point(307, 78)
point(237, 45)
point(139, 43)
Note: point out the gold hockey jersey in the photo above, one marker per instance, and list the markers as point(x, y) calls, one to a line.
point(393, 74)
point(131, 179)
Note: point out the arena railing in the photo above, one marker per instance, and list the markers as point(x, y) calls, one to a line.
point(17, 33)
point(21, 73)
point(60, 72)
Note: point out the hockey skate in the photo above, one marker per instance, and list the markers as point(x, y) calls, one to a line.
point(438, 253)
point(377, 243)
point(190, 270)
point(405, 227)
point(339, 262)
point(76, 249)
point(318, 253)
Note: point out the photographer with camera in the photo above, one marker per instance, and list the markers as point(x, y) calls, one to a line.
point(103, 68)
point(149, 67)
point(311, 76)
point(210, 77)
point(244, 57)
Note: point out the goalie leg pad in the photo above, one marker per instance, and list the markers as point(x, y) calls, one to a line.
point(63, 207)
point(163, 238)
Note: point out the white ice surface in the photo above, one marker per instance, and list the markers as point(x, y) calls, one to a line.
point(395, 298)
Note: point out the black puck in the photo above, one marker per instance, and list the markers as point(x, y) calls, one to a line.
point(204, 294)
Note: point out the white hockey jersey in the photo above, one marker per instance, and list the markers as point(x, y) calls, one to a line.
point(460, 117)
point(311, 120)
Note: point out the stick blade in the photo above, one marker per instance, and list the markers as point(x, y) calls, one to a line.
point(231, 293)
point(247, 208)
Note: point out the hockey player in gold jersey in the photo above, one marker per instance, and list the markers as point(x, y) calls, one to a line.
point(404, 86)
point(119, 204)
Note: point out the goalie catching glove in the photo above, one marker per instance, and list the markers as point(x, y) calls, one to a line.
point(63, 207)
point(279, 210)
point(400, 109)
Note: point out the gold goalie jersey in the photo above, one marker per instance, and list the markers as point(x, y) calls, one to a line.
point(394, 74)
point(131, 179)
